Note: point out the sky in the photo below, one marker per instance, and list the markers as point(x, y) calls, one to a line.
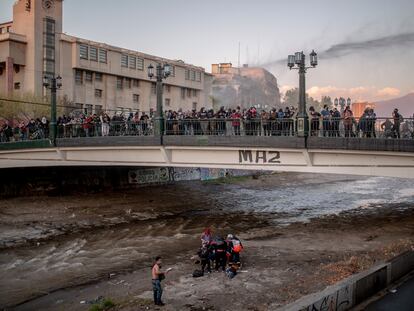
point(365, 47)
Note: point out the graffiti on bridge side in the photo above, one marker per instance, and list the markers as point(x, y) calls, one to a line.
point(337, 301)
point(259, 156)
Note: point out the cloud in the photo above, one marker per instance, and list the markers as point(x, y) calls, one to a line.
point(388, 92)
point(284, 88)
point(358, 93)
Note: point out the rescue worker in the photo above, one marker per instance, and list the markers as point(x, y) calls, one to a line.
point(234, 248)
point(219, 247)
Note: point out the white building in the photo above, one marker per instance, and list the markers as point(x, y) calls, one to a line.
point(95, 75)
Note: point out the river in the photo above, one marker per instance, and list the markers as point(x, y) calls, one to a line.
point(49, 243)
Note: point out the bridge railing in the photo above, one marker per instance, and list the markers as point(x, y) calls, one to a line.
point(112, 128)
point(230, 127)
point(318, 127)
point(363, 127)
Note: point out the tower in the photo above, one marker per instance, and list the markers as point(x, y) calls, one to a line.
point(40, 22)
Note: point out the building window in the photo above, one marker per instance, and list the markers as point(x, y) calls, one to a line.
point(88, 76)
point(98, 109)
point(132, 62)
point(192, 75)
point(48, 47)
point(8, 28)
point(93, 54)
point(187, 74)
point(83, 51)
point(140, 63)
point(17, 86)
point(188, 92)
point(195, 106)
point(124, 60)
point(98, 76)
point(49, 66)
point(167, 102)
point(98, 93)
point(182, 93)
point(198, 76)
point(119, 83)
point(194, 93)
point(102, 56)
point(78, 76)
point(172, 71)
point(135, 98)
point(167, 88)
point(136, 83)
point(153, 88)
point(1, 30)
point(128, 82)
point(88, 109)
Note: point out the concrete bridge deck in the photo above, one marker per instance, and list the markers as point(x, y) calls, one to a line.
point(358, 156)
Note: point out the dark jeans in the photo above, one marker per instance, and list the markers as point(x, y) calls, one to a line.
point(156, 287)
point(204, 263)
point(221, 260)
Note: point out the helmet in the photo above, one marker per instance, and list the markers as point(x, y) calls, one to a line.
point(229, 236)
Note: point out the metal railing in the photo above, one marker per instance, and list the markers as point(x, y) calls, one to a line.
point(230, 127)
point(364, 127)
point(318, 127)
point(112, 128)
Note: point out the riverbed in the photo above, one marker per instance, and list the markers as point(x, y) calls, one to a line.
point(56, 252)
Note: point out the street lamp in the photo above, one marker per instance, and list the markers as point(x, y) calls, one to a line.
point(348, 102)
point(336, 102)
point(162, 72)
point(53, 84)
point(299, 60)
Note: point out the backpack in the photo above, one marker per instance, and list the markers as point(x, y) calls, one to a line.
point(198, 273)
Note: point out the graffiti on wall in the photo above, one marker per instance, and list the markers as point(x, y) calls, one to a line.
point(165, 174)
point(184, 173)
point(149, 175)
point(337, 301)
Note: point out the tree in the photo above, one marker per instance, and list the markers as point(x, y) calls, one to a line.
point(291, 98)
point(326, 100)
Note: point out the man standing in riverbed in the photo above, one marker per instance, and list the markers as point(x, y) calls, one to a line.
point(157, 277)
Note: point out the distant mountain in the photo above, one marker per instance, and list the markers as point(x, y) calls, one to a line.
point(404, 104)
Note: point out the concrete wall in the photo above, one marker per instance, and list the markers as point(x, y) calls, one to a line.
point(357, 288)
point(65, 180)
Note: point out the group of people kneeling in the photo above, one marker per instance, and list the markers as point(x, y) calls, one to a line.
point(223, 254)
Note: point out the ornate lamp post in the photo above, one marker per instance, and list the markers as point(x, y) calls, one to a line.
point(336, 102)
point(162, 72)
point(342, 104)
point(53, 84)
point(299, 60)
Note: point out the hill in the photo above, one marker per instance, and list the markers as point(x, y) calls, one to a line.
point(404, 104)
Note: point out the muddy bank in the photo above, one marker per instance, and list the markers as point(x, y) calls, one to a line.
point(301, 233)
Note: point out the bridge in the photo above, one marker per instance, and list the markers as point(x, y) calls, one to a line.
point(356, 155)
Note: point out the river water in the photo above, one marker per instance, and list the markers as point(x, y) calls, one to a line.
point(118, 232)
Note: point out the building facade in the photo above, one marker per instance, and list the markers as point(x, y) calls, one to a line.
point(244, 87)
point(95, 76)
point(358, 108)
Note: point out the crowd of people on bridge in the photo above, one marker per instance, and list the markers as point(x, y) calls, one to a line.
point(225, 122)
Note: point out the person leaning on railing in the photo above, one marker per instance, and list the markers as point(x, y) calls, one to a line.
point(348, 118)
